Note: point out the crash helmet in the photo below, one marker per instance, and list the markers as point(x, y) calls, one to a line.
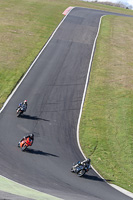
point(32, 136)
point(88, 160)
point(78, 162)
point(25, 102)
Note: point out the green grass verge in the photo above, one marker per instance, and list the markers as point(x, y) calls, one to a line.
point(106, 131)
point(25, 26)
point(12, 187)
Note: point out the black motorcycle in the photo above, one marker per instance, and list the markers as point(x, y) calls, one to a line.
point(80, 169)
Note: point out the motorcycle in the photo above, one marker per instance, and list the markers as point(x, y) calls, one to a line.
point(24, 144)
point(20, 111)
point(80, 169)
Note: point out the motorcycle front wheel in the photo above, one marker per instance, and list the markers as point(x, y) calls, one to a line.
point(24, 147)
point(81, 172)
point(19, 113)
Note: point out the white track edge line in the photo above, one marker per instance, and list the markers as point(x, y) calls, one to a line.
point(81, 108)
point(10, 96)
point(85, 89)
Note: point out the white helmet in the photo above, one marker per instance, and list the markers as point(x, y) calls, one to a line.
point(25, 101)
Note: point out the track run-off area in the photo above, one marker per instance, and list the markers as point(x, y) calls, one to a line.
point(54, 87)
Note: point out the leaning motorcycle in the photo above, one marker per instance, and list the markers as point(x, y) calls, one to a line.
point(20, 111)
point(80, 169)
point(24, 144)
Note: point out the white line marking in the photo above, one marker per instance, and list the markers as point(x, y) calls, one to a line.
point(85, 89)
point(83, 99)
point(10, 96)
point(130, 194)
point(82, 103)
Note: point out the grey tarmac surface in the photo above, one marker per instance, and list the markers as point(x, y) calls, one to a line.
point(8, 196)
point(54, 89)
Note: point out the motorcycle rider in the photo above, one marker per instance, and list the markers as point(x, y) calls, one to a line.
point(29, 139)
point(84, 163)
point(23, 105)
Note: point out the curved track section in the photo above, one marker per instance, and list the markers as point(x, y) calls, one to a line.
point(54, 89)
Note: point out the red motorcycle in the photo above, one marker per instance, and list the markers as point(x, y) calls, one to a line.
point(25, 143)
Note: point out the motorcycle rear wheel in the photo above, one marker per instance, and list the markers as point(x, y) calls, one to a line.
point(81, 172)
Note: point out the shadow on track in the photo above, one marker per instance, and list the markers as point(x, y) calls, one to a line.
point(94, 178)
point(32, 117)
point(38, 152)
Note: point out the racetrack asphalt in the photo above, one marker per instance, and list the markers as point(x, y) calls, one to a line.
point(54, 88)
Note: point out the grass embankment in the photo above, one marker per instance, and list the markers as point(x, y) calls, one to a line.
point(25, 26)
point(106, 129)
